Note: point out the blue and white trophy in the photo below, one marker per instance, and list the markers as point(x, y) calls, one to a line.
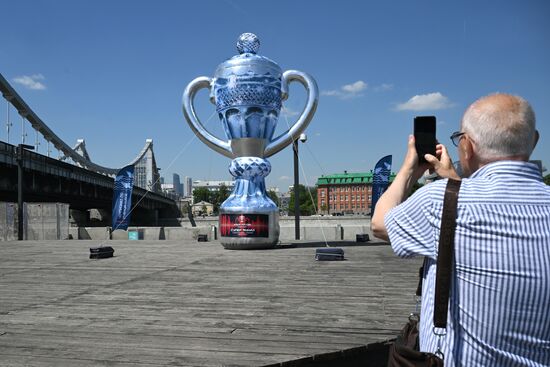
point(248, 90)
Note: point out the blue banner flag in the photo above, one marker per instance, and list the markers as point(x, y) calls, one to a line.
point(122, 197)
point(380, 180)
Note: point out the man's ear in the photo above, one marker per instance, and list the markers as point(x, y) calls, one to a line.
point(537, 136)
point(467, 148)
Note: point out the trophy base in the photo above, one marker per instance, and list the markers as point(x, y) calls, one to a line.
point(244, 230)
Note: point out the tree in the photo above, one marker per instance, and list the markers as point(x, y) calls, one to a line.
point(273, 196)
point(201, 194)
point(547, 179)
point(219, 197)
point(308, 201)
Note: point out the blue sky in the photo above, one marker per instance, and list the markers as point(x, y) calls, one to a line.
point(113, 72)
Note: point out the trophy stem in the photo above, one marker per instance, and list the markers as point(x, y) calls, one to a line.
point(249, 218)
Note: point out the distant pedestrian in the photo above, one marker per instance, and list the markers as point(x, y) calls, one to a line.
point(499, 307)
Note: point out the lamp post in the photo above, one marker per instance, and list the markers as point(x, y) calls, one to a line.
point(303, 139)
point(19, 160)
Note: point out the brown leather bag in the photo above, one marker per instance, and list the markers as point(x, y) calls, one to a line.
point(404, 352)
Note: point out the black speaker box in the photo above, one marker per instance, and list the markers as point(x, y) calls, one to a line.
point(329, 254)
point(102, 252)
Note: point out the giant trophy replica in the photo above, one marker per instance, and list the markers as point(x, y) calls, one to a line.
point(248, 90)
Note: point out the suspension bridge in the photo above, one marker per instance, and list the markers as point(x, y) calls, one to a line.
point(72, 177)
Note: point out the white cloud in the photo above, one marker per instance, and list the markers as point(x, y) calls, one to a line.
point(383, 87)
point(348, 90)
point(31, 81)
point(356, 87)
point(424, 102)
point(284, 178)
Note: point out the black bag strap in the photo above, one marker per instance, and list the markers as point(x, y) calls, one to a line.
point(445, 253)
point(420, 278)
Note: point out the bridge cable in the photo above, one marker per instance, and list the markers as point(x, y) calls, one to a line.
point(300, 164)
point(134, 206)
point(8, 123)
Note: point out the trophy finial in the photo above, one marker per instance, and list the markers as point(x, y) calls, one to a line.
point(248, 43)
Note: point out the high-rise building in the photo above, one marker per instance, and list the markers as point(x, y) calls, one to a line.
point(188, 186)
point(178, 187)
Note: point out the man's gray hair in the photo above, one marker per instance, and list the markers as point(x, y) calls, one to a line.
point(501, 125)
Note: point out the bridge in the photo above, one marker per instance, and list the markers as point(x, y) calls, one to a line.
point(73, 178)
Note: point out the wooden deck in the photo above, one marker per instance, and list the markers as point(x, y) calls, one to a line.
point(168, 303)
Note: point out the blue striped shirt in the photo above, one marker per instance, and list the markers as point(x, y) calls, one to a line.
point(499, 307)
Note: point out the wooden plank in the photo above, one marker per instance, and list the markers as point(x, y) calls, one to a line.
point(189, 303)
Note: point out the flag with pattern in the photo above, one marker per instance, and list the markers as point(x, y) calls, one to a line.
point(122, 197)
point(380, 180)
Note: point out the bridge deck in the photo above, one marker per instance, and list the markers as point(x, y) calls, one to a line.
point(193, 304)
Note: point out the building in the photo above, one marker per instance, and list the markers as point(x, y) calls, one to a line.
point(183, 205)
point(188, 186)
point(178, 186)
point(284, 201)
point(213, 185)
point(347, 193)
point(202, 208)
point(168, 189)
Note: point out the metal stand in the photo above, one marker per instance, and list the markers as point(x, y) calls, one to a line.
point(296, 192)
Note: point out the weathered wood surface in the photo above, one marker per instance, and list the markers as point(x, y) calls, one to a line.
point(168, 303)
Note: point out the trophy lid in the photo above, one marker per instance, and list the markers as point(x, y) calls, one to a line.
point(248, 62)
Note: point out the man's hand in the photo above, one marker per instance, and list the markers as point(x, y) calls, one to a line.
point(399, 190)
point(441, 163)
point(411, 166)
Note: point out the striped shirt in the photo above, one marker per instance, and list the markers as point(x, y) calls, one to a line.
point(499, 307)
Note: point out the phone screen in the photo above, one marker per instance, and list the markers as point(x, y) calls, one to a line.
point(424, 135)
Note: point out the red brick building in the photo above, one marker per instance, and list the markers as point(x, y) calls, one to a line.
point(347, 193)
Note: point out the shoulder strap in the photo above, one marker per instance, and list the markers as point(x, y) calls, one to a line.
point(445, 253)
point(420, 278)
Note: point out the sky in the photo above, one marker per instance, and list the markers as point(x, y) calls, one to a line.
point(113, 73)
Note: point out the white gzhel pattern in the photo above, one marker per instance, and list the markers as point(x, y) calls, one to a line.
point(500, 296)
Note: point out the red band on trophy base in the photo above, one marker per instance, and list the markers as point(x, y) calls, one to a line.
point(244, 225)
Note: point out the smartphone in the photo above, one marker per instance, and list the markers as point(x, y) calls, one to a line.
point(424, 136)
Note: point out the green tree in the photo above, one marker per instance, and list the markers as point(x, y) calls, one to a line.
point(308, 201)
point(547, 179)
point(273, 196)
point(219, 197)
point(201, 194)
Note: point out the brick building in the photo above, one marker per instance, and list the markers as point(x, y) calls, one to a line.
point(347, 193)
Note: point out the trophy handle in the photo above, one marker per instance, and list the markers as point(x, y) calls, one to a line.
point(283, 140)
point(198, 128)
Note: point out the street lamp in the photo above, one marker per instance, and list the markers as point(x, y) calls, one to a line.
point(303, 139)
point(19, 160)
